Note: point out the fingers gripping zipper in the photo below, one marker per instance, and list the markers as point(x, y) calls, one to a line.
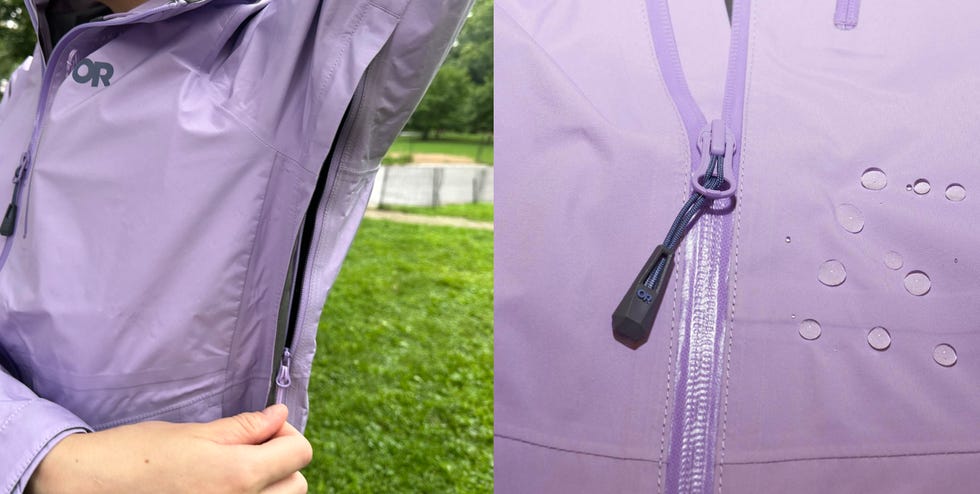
point(633, 318)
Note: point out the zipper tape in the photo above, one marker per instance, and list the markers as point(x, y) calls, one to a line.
point(846, 14)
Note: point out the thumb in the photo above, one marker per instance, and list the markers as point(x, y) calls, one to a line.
point(247, 428)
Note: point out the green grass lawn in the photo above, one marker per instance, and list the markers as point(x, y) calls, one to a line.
point(477, 212)
point(401, 394)
point(466, 145)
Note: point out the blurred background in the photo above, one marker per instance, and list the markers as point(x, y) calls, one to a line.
point(402, 387)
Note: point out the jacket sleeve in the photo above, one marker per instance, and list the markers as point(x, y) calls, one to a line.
point(296, 65)
point(30, 427)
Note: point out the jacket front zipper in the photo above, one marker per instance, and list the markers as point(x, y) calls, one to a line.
point(706, 220)
point(24, 171)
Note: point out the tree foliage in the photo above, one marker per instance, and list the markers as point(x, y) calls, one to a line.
point(16, 35)
point(461, 96)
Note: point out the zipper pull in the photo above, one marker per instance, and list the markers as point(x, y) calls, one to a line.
point(716, 143)
point(9, 223)
point(633, 318)
point(283, 380)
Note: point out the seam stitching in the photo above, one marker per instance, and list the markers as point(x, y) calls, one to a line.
point(856, 457)
point(685, 158)
point(172, 408)
point(750, 53)
point(15, 413)
point(655, 69)
point(249, 271)
point(586, 453)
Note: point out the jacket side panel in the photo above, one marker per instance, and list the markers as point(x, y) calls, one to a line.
point(391, 89)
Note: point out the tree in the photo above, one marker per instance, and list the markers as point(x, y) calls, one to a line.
point(16, 36)
point(474, 47)
point(480, 108)
point(461, 96)
point(443, 107)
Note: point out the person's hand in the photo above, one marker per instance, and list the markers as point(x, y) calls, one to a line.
point(257, 452)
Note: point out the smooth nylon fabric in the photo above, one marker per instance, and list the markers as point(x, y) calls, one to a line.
point(588, 190)
point(161, 209)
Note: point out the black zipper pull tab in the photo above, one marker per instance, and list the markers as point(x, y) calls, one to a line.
point(9, 223)
point(633, 319)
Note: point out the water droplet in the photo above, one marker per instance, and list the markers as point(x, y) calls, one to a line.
point(832, 273)
point(874, 179)
point(921, 186)
point(792, 316)
point(789, 239)
point(956, 260)
point(944, 355)
point(850, 218)
point(917, 283)
point(908, 187)
point(879, 338)
point(955, 192)
point(893, 260)
point(809, 329)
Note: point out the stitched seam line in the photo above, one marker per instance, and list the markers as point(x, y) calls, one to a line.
point(644, 14)
point(246, 126)
point(22, 467)
point(750, 65)
point(855, 457)
point(575, 451)
point(14, 414)
point(386, 10)
point(348, 39)
point(327, 201)
point(684, 157)
point(499, 8)
point(143, 416)
point(236, 332)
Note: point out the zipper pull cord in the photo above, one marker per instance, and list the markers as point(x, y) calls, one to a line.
point(283, 380)
point(9, 223)
point(633, 318)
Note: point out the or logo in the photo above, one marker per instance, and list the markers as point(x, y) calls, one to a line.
point(644, 296)
point(94, 72)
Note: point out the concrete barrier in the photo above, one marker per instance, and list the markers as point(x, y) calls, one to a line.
point(432, 185)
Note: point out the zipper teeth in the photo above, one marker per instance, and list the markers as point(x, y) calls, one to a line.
point(690, 462)
point(295, 330)
point(846, 14)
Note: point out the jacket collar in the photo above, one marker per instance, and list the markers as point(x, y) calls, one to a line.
point(88, 10)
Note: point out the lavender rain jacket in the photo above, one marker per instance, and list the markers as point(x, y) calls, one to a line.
point(850, 132)
point(165, 160)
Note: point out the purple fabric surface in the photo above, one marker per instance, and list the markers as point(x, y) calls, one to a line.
point(588, 190)
point(158, 217)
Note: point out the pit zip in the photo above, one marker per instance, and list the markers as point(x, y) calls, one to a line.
point(303, 254)
point(703, 319)
point(23, 172)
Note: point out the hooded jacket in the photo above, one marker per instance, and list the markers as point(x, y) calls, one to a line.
point(186, 180)
point(818, 332)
